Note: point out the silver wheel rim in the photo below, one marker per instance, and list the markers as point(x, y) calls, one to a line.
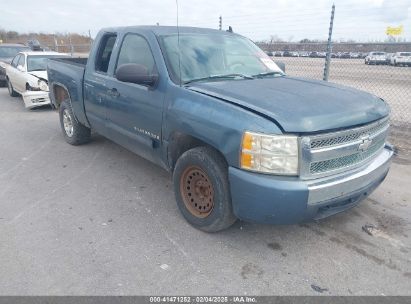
point(68, 123)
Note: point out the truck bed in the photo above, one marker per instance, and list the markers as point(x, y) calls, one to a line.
point(69, 73)
point(74, 61)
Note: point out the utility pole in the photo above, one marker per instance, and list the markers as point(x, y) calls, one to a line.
point(220, 23)
point(329, 46)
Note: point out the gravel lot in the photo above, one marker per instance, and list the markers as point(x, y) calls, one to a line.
point(98, 220)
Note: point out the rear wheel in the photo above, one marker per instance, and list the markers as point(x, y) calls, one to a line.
point(74, 132)
point(202, 190)
point(11, 89)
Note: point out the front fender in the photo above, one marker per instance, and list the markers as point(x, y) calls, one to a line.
point(213, 121)
point(31, 80)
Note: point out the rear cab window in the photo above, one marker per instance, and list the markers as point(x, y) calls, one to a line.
point(105, 52)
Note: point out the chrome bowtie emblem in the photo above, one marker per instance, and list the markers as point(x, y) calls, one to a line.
point(366, 142)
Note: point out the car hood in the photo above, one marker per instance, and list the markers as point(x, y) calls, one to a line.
point(39, 74)
point(299, 105)
point(6, 59)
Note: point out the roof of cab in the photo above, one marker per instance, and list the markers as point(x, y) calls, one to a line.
point(167, 30)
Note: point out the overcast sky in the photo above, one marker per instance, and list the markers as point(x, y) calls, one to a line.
point(363, 20)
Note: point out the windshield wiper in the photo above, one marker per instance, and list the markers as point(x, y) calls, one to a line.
point(268, 74)
point(233, 75)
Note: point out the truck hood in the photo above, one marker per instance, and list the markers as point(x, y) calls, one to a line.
point(299, 105)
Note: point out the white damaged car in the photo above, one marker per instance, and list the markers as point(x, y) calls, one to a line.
point(27, 75)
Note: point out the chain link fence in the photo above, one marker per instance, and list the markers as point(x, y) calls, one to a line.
point(348, 67)
point(76, 50)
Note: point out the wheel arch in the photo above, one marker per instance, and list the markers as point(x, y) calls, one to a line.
point(59, 94)
point(179, 143)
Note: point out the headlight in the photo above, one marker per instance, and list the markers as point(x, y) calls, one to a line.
point(275, 154)
point(43, 85)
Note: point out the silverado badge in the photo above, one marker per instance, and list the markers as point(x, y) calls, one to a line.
point(366, 142)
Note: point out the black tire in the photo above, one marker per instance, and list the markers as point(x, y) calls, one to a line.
point(11, 89)
point(74, 133)
point(215, 169)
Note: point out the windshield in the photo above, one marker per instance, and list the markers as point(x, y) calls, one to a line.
point(377, 53)
point(8, 52)
point(405, 54)
point(205, 56)
point(39, 62)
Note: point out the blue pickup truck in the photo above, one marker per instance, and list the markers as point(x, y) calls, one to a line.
point(241, 138)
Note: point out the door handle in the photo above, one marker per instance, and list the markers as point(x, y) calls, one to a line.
point(113, 92)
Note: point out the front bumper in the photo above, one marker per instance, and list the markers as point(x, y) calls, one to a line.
point(34, 99)
point(289, 200)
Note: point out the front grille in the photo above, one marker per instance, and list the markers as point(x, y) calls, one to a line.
point(332, 153)
point(38, 100)
point(351, 135)
point(345, 161)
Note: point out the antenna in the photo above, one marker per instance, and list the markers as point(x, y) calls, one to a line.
point(178, 44)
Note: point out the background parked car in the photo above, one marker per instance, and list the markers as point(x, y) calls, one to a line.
point(345, 55)
point(27, 75)
point(314, 54)
point(278, 54)
point(34, 45)
point(375, 58)
point(304, 54)
point(363, 55)
point(7, 52)
point(401, 58)
point(286, 54)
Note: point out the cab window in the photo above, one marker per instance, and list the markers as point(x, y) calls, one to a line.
point(104, 52)
point(135, 49)
point(15, 61)
point(21, 61)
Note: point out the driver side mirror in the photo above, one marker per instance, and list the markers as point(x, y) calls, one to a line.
point(20, 68)
point(135, 73)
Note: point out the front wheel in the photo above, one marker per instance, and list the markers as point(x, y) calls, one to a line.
point(11, 89)
point(74, 132)
point(202, 190)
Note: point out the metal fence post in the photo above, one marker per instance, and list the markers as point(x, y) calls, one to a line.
point(71, 46)
point(91, 40)
point(220, 23)
point(56, 48)
point(329, 47)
